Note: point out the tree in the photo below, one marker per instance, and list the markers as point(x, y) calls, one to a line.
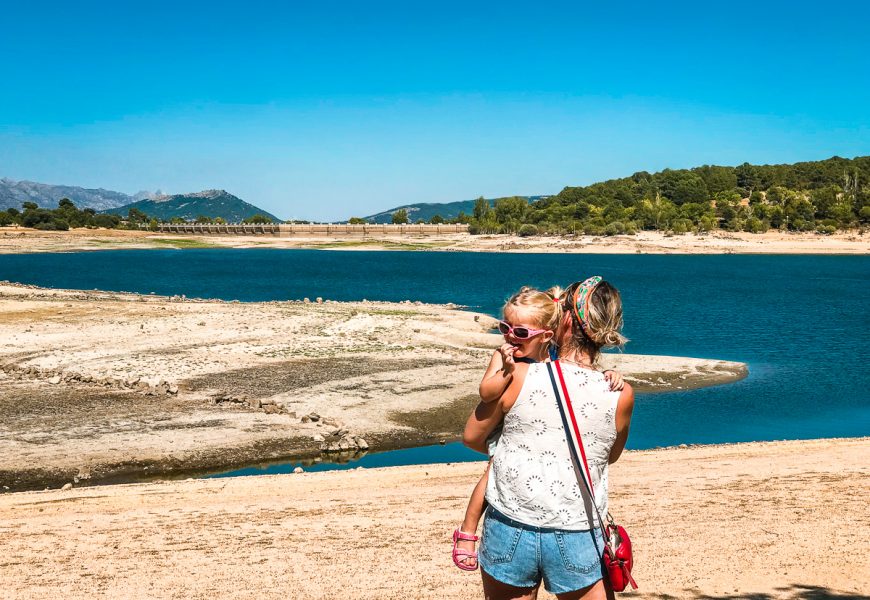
point(257, 219)
point(357, 221)
point(482, 209)
point(400, 217)
point(134, 215)
point(66, 203)
point(511, 210)
point(436, 220)
point(690, 188)
point(656, 213)
point(29, 205)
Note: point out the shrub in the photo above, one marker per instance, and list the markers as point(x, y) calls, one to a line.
point(826, 229)
point(615, 228)
point(681, 226)
point(754, 225)
point(592, 229)
point(527, 230)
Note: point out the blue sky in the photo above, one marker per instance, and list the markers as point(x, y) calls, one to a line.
point(331, 109)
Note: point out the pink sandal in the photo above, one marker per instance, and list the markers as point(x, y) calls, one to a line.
point(460, 554)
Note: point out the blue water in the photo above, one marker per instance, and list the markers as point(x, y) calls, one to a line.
point(800, 322)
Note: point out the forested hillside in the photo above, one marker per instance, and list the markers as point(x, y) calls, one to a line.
point(823, 195)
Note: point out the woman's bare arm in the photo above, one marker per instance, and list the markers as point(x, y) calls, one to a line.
point(624, 408)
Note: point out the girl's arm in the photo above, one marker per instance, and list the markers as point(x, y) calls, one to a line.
point(623, 421)
point(488, 415)
point(498, 374)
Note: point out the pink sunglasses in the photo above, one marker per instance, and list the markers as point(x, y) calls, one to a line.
point(520, 333)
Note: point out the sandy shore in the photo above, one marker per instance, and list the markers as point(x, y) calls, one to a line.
point(20, 240)
point(748, 521)
point(98, 386)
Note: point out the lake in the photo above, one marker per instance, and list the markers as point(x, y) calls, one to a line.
point(800, 322)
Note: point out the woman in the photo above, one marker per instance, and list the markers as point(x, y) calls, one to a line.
point(540, 524)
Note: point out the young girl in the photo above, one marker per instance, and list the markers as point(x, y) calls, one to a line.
point(530, 320)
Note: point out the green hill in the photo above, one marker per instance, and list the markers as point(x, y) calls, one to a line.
point(425, 211)
point(209, 203)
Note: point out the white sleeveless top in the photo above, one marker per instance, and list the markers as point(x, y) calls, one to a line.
point(532, 478)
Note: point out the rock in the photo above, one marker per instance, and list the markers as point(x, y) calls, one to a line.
point(298, 470)
point(329, 421)
point(319, 300)
point(362, 444)
point(292, 414)
point(341, 432)
point(344, 444)
point(317, 437)
point(306, 300)
point(66, 487)
point(272, 409)
point(305, 419)
point(314, 417)
point(54, 380)
point(173, 389)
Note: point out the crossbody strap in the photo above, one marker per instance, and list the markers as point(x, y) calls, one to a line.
point(575, 441)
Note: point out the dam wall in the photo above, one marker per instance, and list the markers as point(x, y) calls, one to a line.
point(308, 230)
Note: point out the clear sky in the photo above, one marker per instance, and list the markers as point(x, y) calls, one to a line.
point(326, 110)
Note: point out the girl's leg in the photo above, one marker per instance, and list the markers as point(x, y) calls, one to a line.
point(473, 514)
point(596, 591)
point(496, 590)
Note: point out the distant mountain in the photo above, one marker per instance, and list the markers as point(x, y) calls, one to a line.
point(14, 193)
point(208, 203)
point(425, 211)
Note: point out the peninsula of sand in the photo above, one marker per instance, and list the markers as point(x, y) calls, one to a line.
point(17, 240)
point(102, 387)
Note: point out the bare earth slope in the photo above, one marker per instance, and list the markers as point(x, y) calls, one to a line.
point(98, 386)
point(747, 521)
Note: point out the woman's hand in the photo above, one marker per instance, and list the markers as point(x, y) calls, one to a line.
point(616, 380)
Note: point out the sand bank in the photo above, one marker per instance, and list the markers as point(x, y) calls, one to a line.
point(98, 386)
point(748, 521)
point(21, 240)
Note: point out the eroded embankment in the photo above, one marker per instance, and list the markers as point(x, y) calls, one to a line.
point(98, 386)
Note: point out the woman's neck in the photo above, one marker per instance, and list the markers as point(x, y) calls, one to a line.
point(579, 357)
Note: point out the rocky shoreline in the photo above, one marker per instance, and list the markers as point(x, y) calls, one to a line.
point(100, 387)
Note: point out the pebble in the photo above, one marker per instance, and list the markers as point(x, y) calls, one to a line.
point(66, 487)
point(298, 470)
point(317, 437)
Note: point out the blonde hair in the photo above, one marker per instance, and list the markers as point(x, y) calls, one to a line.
point(603, 325)
point(543, 307)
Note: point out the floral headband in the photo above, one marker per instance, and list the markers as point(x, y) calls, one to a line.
point(581, 299)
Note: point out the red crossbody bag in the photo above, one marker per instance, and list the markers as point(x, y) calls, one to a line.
point(617, 556)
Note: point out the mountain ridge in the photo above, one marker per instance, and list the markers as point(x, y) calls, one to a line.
point(211, 203)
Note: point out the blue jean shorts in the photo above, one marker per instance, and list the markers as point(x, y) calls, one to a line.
point(522, 555)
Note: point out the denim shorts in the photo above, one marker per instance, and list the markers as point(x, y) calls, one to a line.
point(522, 555)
